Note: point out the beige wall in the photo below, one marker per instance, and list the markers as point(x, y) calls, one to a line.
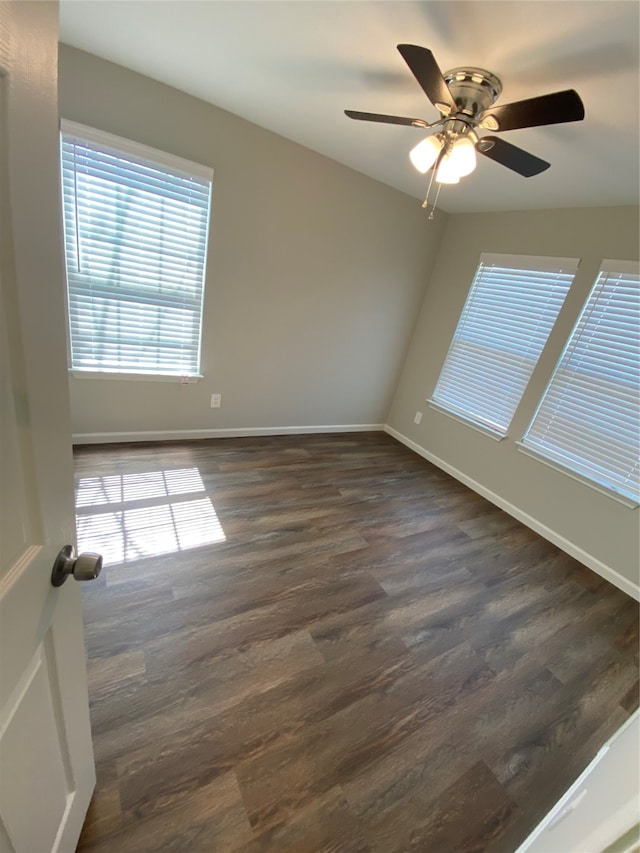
point(314, 278)
point(598, 529)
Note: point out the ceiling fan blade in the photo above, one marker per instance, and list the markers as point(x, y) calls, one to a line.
point(426, 71)
point(511, 156)
point(556, 108)
point(411, 122)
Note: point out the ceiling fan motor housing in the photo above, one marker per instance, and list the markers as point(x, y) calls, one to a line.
point(474, 90)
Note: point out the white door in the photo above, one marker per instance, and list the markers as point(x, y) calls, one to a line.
point(46, 760)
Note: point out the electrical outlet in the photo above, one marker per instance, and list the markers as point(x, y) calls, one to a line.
point(417, 418)
point(216, 401)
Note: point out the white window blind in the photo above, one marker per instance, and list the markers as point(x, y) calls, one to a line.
point(512, 305)
point(136, 224)
point(589, 418)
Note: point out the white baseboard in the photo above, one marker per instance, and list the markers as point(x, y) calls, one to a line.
point(548, 533)
point(194, 434)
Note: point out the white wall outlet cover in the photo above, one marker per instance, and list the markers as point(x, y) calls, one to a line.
point(216, 401)
point(417, 418)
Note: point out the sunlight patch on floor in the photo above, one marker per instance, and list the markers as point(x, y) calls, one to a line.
point(133, 528)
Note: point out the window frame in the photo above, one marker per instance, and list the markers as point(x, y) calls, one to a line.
point(171, 164)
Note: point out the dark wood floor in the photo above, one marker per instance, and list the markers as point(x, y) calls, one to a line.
point(350, 652)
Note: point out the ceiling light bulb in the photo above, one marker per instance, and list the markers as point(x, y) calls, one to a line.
point(463, 156)
point(425, 153)
point(447, 172)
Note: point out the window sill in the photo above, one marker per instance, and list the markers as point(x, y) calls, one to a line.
point(630, 503)
point(137, 377)
point(494, 434)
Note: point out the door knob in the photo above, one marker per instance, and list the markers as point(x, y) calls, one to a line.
point(84, 567)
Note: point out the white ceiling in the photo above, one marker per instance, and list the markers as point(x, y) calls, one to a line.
point(293, 66)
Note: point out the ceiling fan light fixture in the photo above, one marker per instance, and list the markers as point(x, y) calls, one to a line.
point(463, 156)
point(425, 153)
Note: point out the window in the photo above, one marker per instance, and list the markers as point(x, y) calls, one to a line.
point(509, 313)
point(589, 418)
point(136, 224)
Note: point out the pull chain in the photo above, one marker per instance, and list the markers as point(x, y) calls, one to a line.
point(425, 203)
point(435, 201)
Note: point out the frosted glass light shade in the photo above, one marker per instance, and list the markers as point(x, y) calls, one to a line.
point(425, 153)
point(447, 172)
point(463, 156)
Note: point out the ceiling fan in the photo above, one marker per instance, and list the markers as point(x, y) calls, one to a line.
point(464, 97)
